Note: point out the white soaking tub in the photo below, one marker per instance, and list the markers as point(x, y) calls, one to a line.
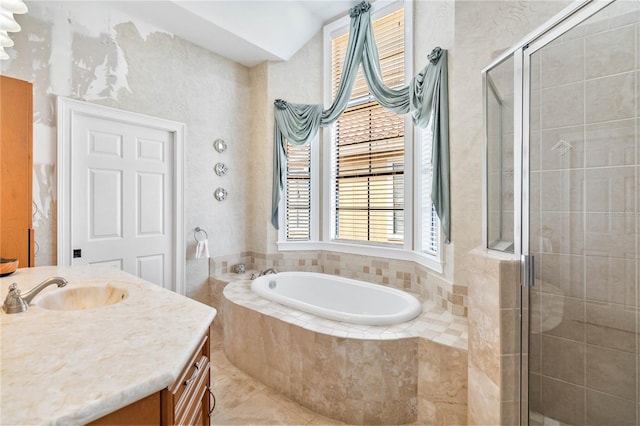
point(337, 298)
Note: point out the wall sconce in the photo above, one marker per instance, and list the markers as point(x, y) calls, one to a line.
point(8, 24)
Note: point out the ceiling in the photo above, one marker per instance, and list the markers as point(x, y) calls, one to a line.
point(245, 31)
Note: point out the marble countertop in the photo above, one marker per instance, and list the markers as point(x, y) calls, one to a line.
point(72, 367)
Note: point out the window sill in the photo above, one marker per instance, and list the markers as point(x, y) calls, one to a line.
point(429, 262)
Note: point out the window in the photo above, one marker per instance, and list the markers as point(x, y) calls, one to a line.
point(368, 146)
point(375, 182)
point(429, 224)
point(298, 193)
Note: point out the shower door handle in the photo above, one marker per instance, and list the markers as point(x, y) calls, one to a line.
point(529, 264)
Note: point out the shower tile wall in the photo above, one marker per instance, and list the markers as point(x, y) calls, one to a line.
point(584, 221)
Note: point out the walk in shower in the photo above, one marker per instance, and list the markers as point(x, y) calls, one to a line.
point(562, 179)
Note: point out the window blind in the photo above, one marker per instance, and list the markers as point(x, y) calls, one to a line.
point(428, 215)
point(368, 146)
point(298, 192)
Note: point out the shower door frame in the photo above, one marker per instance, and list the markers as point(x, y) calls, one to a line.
point(572, 20)
point(564, 21)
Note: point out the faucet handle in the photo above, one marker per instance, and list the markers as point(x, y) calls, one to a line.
point(14, 303)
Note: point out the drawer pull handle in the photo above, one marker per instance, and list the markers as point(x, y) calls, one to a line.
point(213, 404)
point(195, 374)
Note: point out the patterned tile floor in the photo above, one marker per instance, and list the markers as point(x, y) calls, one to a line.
point(242, 400)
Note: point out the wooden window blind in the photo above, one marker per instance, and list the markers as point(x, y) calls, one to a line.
point(368, 146)
point(298, 192)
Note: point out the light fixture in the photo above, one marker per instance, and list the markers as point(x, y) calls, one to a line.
point(8, 23)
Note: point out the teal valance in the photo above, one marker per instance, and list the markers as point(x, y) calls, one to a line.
point(425, 98)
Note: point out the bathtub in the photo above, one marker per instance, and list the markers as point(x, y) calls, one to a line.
point(337, 298)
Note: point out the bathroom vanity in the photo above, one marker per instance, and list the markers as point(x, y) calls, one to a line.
point(142, 358)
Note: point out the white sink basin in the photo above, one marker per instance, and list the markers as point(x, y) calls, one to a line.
point(79, 298)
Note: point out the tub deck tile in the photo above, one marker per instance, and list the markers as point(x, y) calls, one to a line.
point(435, 323)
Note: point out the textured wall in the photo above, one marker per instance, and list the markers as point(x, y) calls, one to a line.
point(91, 52)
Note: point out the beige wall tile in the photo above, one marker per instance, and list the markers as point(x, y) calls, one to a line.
point(605, 409)
point(562, 190)
point(610, 189)
point(563, 359)
point(611, 143)
point(562, 317)
point(610, 52)
point(562, 63)
point(612, 317)
point(562, 401)
point(509, 284)
point(509, 331)
point(611, 371)
point(611, 280)
point(562, 233)
point(562, 274)
point(623, 13)
point(609, 337)
point(535, 357)
point(535, 383)
point(442, 384)
point(509, 378)
point(553, 159)
point(562, 106)
point(484, 398)
point(610, 234)
point(610, 98)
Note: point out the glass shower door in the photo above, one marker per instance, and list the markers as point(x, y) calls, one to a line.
point(583, 220)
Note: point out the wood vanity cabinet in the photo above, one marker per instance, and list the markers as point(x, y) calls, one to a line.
point(16, 171)
point(185, 402)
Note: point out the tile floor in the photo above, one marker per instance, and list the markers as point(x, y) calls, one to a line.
point(242, 400)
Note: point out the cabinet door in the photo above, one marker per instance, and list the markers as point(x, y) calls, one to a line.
point(16, 159)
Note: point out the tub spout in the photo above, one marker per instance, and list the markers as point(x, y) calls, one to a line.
point(268, 271)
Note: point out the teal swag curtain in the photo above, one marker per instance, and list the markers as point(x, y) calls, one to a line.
point(425, 98)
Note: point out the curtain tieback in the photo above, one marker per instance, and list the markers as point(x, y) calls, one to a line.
point(281, 104)
point(434, 56)
point(359, 9)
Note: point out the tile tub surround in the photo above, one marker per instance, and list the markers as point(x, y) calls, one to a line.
point(353, 373)
point(400, 274)
point(72, 367)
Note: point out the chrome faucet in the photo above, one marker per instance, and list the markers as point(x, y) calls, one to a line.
point(268, 271)
point(15, 302)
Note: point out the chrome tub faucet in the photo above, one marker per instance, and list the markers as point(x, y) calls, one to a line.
point(268, 271)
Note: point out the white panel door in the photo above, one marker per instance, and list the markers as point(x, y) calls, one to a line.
point(121, 197)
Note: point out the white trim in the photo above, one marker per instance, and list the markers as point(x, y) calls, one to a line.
point(409, 151)
point(67, 110)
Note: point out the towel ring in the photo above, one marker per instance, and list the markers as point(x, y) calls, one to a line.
point(199, 231)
